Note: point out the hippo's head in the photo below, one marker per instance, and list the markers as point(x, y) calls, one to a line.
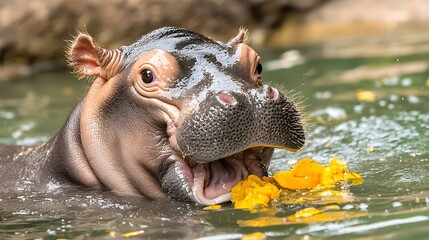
point(179, 114)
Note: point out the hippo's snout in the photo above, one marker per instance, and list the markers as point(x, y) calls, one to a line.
point(229, 122)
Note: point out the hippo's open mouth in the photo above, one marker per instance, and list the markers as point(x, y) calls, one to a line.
point(213, 181)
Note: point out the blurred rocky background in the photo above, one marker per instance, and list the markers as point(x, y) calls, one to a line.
point(33, 33)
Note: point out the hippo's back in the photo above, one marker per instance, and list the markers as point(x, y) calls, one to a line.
point(8, 153)
point(19, 164)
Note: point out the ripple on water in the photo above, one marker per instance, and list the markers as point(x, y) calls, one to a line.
point(389, 136)
point(359, 226)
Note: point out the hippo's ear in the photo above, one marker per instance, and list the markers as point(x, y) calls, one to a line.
point(89, 60)
point(240, 38)
point(83, 56)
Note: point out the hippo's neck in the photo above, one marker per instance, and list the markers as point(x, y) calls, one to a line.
point(67, 158)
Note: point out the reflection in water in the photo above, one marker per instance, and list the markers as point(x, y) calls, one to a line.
point(372, 73)
point(394, 46)
point(71, 212)
point(385, 140)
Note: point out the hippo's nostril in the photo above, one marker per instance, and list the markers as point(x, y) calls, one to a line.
point(273, 93)
point(226, 98)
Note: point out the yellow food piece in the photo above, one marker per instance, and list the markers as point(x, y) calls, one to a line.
point(254, 236)
point(262, 222)
point(133, 234)
point(331, 207)
point(353, 178)
point(322, 216)
point(325, 217)
point(366, 96)
point(290, 181)
point(306, 212)
point(212, 207)
point(307, 167)
point(304, 175)
point(253, 191)
point(307, 174)
point(333, 172)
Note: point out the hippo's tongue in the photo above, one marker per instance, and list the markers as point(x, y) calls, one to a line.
point(213, 181)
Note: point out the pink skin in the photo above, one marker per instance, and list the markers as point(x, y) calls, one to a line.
point(117, 161)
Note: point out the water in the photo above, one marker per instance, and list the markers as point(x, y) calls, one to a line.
point(394, 195)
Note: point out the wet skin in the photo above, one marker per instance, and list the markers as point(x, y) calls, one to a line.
point(173, 114)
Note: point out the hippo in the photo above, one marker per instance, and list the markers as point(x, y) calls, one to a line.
point(175, 114)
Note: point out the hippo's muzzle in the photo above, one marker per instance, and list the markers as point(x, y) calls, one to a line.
point(232, 135)
point(229, 123)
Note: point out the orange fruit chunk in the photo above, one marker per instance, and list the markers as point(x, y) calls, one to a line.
point(307, 167)
point(288, 180)
point(252, 192)
point(304, 175)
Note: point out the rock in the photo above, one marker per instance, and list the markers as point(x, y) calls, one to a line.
point(35, 31)
point(345, 19)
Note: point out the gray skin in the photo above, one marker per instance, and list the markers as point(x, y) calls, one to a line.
point(173, 114)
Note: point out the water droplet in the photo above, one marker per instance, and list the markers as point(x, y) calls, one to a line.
point(392, 81)
point(347, 207)
point(363, 206)
point(323, 95)
point(406, 82)
point(382, 103)
point(393, 98)
point(7, 115)
point(17, 134)
point(413, 99)
point(51, 232)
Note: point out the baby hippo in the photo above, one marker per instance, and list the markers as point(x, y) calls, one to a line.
point(174, 114)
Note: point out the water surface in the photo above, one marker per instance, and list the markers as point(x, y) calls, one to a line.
point(394, 195)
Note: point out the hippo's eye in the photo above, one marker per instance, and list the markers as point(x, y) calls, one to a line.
point(147, 76)
point(259, 69)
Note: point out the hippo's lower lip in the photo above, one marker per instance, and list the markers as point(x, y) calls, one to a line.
point(213, 181)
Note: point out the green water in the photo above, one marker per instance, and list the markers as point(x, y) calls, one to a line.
point(394, 195)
